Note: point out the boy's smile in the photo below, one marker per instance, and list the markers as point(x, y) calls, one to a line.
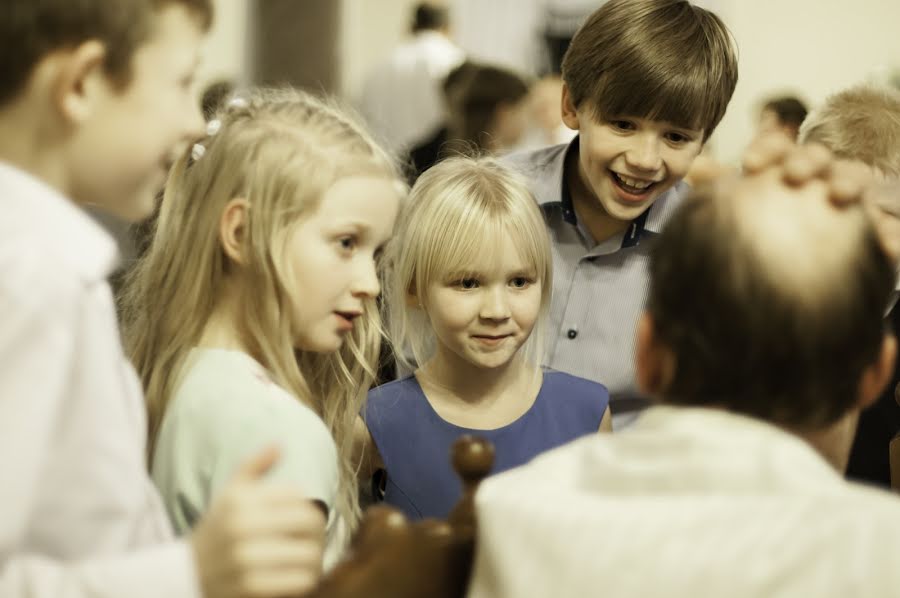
point(626, 163)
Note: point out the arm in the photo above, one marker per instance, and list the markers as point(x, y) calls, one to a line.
point(39, 346)
point(79, 516)
point(165, 570)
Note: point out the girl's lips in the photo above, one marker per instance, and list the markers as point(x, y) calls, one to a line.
point(345, 320)
point(491, 340)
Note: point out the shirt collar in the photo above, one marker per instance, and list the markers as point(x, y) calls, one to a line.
point(57, 224)
point(735, 450)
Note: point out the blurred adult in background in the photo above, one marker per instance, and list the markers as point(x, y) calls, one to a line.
point(214, 95)
point(487, 112)
point(545, 125)
point(783, 114)
point(401, 97)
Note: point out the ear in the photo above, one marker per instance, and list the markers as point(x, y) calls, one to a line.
point(77, 81)
point(877, 375)
point(654, 363)
point(233, 229)
point(569, 114)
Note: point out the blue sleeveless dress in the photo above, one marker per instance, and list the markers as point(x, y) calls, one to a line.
point(415, 442)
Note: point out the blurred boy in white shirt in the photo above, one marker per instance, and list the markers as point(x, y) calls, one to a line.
point(94, 97)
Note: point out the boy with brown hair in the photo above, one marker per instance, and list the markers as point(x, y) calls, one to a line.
point(94, 97)
point(646, 84)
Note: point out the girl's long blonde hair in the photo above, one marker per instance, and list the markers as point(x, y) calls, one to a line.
point(457, 212)
point(280, 150)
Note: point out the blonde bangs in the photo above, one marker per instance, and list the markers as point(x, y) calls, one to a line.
point(460, 211)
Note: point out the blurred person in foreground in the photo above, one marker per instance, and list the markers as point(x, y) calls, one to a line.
point(761, 341)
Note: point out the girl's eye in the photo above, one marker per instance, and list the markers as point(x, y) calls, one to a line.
point(467, 284)
point(347, 243)
point(520, 282)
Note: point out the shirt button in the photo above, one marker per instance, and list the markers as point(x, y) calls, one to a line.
point(572, 333)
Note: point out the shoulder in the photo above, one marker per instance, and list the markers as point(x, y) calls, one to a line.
point(32, 277)
point(534, 162)
point(393, 391)
point(393, 405)
point(543, 170)
point(570, 385)
point(225, 394)
point(665, 207)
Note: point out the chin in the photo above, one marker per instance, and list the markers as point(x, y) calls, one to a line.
point(320, 345)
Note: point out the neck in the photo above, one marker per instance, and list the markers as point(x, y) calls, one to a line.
point(472, 384)
point(28, 144)
point(221, 331)
point(835, 441)
point(588, 208)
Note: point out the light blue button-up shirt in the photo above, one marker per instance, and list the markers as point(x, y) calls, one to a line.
point(599, 290)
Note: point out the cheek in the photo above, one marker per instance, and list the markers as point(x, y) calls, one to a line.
point(449, 312)
point(526, 307)
point(680, 161)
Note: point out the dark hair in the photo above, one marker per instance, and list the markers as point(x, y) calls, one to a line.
point(429, 17)
point(32, 29)
point(214, 95)
point(749, 338)
point(789, 110)
point(659, 59)
point(474, 107)
point(457, 79)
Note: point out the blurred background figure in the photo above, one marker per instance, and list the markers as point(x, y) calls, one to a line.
point(545, 125)
point(783, 114)
point(487, 111)
point(401, 98)
point(214, 95)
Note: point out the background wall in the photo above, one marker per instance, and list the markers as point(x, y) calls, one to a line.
point(809, 47)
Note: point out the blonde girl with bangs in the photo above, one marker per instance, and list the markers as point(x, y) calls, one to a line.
point(467, 293)
point(252, 319)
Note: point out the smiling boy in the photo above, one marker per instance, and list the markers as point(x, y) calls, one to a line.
point(646, 82)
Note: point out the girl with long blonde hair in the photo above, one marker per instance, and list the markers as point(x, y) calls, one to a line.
point(467, 291)
point(252, 319)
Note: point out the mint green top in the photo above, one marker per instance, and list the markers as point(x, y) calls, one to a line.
point(224, 411)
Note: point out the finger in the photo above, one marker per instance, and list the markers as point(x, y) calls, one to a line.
point(302, 521)
point(257, 466)
point(279, 583)
point(767, 150)
point(281, 552)
point(848, 181)
point(807, 162)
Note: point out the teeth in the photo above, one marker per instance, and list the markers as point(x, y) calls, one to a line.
point(636, 183)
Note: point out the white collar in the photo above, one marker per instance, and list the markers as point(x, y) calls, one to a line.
point(711, 451)
point(55, 224)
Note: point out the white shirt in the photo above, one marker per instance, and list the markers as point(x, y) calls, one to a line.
point(80, 516)
point(402, 99)
point(685, 503)
point(226, 409)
